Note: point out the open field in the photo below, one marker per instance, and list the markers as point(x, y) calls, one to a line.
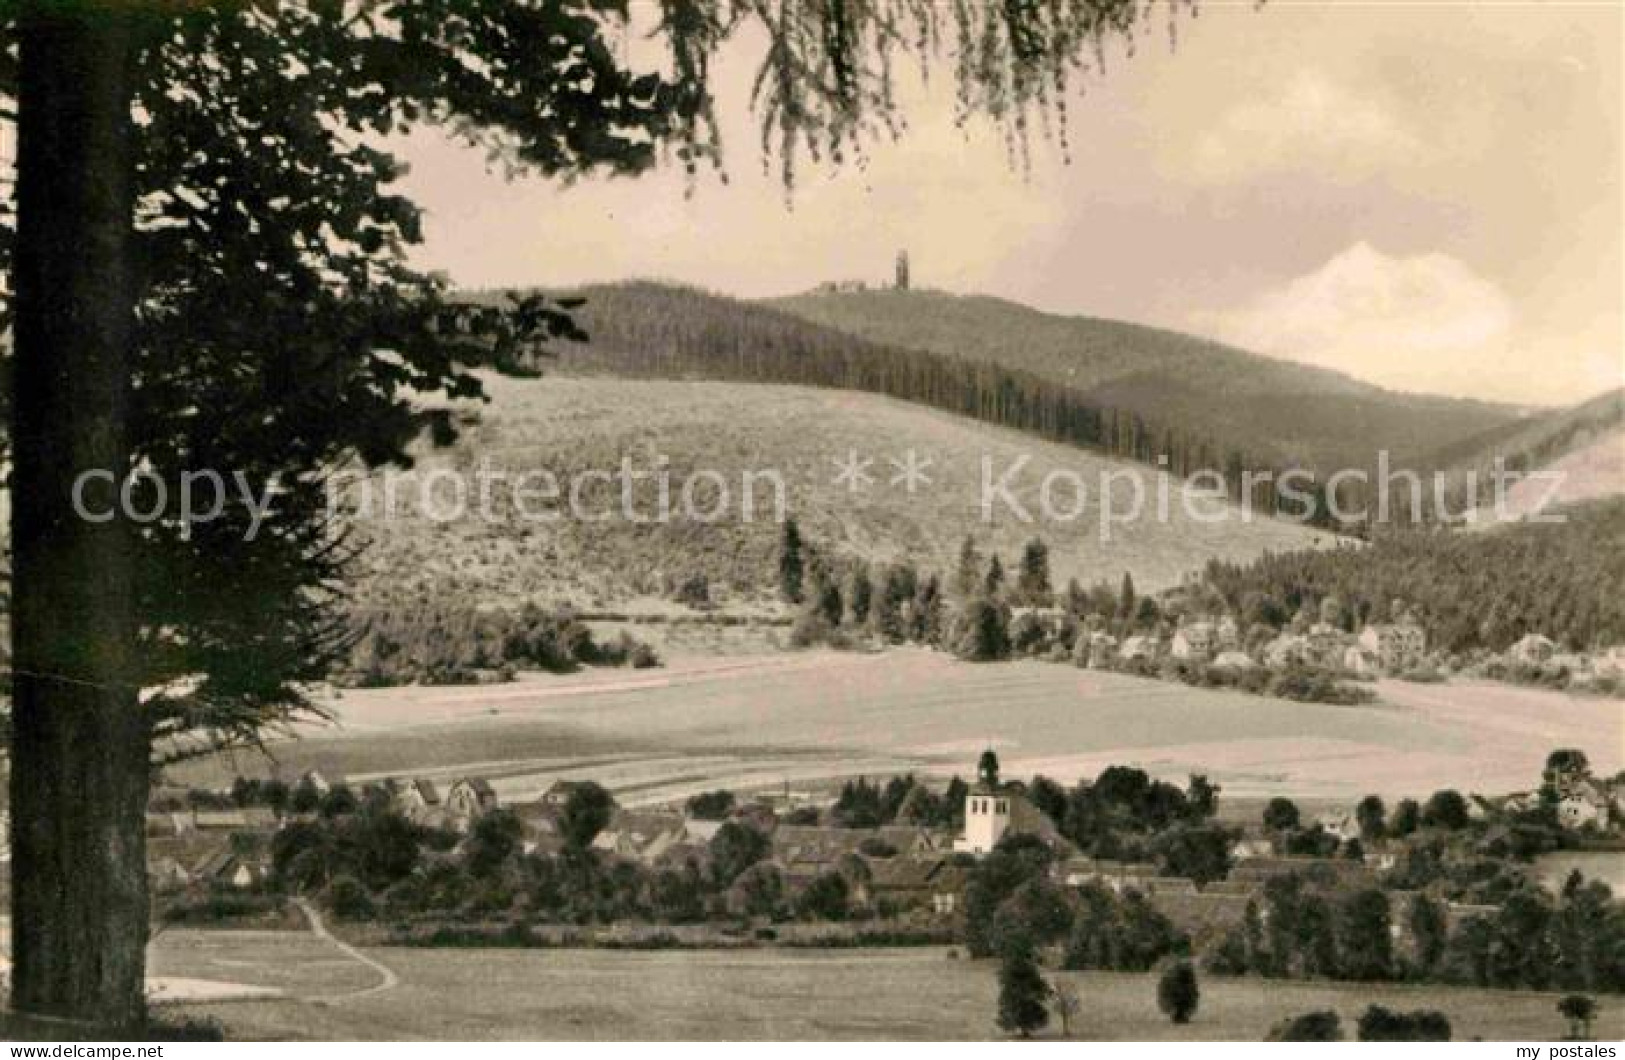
point(795, 719)
point(781, 994)
point(574, 427)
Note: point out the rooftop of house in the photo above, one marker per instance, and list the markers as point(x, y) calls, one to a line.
point(479, 785)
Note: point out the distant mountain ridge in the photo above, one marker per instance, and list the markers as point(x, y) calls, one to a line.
point(1124, 389)
point(1561, 457)
point(1291, 412)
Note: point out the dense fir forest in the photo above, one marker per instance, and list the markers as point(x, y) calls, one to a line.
point(1473, 591)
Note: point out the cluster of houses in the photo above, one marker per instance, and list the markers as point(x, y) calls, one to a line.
point(1387, 647)
point(906, 870)
point(1583, 802)
point(1536, 651)
point(230, 846)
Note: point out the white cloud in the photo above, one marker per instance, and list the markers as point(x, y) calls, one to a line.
point(1414, 323)
point(1309, 123)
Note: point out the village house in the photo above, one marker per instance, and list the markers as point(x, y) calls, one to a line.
point(1532, 649)
point(1397, 646)
point(1233, 662)
point(167, 874)
point(700, 829)
point(905, 883)
point(1193, 641)
point(558, 793)
point(1342, 825)
point(1226, 634)
point(948, 888)
point(1326, 644)
point(416, 798)
point(1249, 847)
point(643, 837)
point(1140, 646)
point(1287, 649)
point(1610, 663)
point(1361, 660)
point(1591, 802)
point(1102, 649)
point(1117, 876)
point(1483, 808)
point(1576, 664)
point(470, 797)
point(232, 868)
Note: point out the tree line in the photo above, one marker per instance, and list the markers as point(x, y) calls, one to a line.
point(439, 644)
point(1472, 592)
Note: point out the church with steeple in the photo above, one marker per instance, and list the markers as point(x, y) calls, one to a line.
point(994, 809)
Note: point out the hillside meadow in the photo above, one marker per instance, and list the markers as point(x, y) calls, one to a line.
point(805, 719)
point(714, 435)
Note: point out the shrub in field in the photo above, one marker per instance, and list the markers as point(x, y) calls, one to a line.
point(1322, 1026)
point(1178, 993)
point(1379, 1024)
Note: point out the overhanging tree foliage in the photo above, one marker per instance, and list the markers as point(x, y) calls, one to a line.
point(209, 273)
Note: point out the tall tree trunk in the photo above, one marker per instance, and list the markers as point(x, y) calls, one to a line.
point(79, 773)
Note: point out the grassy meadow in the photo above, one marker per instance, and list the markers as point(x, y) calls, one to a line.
point(771, 994)
point(798, 719)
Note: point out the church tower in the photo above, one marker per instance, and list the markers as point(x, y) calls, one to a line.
point(988, 808)
point(902, 270)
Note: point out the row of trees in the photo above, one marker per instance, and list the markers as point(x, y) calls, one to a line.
point(972, 614)
point(440, 644)
point(838, 601)
point(1376, 1024)
point(1575, 942)
point(1125, 813)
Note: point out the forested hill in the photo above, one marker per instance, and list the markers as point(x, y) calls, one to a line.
point(1530, 442)
point(650, 330)
point(1474, 591)
point(1290, 412)
point(1127, 390)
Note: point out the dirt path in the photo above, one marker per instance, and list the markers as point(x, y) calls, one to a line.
point(388, 979)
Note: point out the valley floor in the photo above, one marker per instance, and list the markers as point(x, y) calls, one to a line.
point(803, 719)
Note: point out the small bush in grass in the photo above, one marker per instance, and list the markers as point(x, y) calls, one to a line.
point(1579, 1010)
point(1379, 1024)
point(1177, 992)
point(1322, 1026)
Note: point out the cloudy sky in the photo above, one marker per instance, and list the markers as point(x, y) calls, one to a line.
point(1424, 195)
